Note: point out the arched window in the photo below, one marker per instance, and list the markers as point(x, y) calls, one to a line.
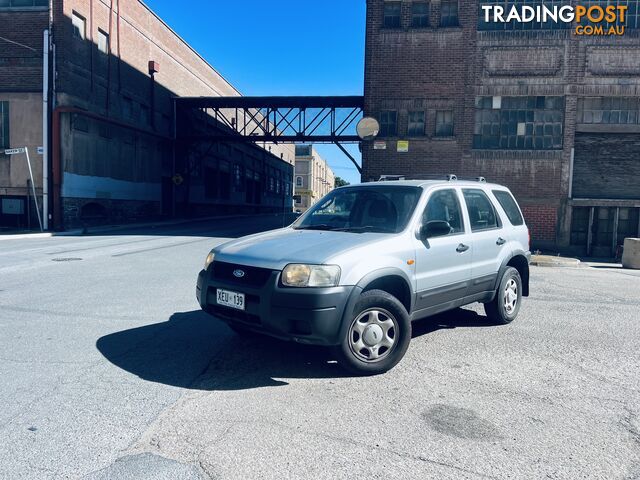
point(298, 181)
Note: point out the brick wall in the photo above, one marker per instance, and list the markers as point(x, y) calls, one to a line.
point(542, 221)
point(447, 68)
point(21, 65)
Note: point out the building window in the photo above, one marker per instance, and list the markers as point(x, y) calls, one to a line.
point(79, 26)
point(23, 3)
point(388, 123)
point(449, 13)
point(392, 14)
point(103, 42)
point(298, 181)
point(444, 123)
point(507, 5)
point(4, 125)
point(419, 14)
point(416, 126)
point(520, 123)
point(609, 110)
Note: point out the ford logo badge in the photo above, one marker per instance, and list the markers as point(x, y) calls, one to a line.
point(238, 273)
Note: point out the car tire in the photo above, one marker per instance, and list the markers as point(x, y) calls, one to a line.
point(377, 336)
point(505, 306)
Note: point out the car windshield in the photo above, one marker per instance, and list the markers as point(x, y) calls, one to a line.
point(362, 209)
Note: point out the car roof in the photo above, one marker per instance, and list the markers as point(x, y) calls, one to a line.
point(427, 184)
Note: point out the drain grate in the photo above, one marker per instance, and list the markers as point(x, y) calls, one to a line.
point(66, 259)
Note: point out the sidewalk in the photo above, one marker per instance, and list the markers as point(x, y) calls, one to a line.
point(557, 262)
point(128, 226)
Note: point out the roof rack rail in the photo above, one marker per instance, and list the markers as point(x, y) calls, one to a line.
point(391, 178)
point(449, 178)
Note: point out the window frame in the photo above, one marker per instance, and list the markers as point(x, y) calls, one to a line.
point(104, 35)
point(510, 196)
point(10, 7)
point(415, 133)
point(384, 130)
point(498, 122)
point(418, 19)
point(499, 224)
point(452, 131)
point(83, 34)
point(454, 21)
point(385, 16)
point(461, 208)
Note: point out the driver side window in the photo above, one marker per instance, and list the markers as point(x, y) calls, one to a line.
point(444, 206)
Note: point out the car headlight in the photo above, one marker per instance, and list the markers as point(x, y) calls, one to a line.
point(210, 258)
point(298, 275)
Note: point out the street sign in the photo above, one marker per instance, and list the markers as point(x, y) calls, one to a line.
point(14, 151)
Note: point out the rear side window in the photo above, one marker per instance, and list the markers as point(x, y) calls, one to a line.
point(510, 207)
point(481, 212)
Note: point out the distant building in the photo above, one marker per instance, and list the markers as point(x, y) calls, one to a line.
point(114, 70)
point(313, 178)
point(553, 115)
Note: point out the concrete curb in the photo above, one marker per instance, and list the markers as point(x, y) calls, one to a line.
point(130, 226)
point(555, 262)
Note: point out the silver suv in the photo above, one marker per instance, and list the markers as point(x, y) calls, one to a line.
point(355, 270)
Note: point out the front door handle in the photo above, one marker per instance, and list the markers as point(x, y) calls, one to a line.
point(462, 248)
point(501, 241)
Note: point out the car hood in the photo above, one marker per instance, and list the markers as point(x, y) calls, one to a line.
point(278, 248)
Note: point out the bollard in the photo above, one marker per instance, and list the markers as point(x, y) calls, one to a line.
point(631, 256)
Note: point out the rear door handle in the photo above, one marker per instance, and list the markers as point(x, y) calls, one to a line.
point(501, 241)
point(462, 248)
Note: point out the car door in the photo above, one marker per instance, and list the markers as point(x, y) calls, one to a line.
point(489, 240)
point(443, 263)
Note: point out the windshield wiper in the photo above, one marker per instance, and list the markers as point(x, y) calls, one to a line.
point(322, 226)
point(365, 228)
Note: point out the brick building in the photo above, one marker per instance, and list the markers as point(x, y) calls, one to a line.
point(552, 115)
point(114, 71)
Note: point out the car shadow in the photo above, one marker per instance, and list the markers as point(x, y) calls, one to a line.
point(194, 351)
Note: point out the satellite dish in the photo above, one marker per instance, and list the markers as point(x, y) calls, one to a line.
point(368, 128)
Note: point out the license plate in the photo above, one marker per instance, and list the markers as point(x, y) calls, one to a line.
point(230, 299)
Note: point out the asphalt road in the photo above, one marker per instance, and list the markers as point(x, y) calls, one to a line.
point(108, 370)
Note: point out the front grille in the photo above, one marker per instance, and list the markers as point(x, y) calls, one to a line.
point(253, 276)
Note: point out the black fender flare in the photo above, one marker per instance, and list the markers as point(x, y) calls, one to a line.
point(525, 278)
point(360, 287)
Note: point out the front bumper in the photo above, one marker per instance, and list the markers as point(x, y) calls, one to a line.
point(305, 315)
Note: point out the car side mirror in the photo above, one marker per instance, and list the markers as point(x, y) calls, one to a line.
point(435, 228)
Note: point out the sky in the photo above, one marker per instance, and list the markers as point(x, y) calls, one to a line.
point(281, 47)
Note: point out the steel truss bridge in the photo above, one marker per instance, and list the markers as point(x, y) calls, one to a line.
point(274, 120)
